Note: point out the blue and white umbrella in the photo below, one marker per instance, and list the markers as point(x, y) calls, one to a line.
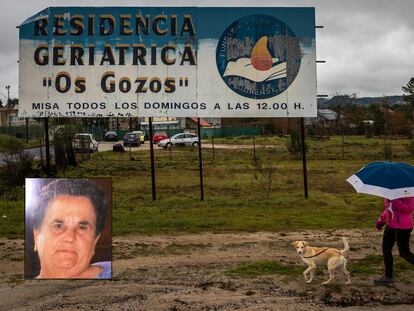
point(390, 180)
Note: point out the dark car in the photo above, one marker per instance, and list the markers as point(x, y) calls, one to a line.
point(131, 139)
point(158, 136)
point(111, 136)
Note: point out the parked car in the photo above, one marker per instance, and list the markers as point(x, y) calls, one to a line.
point(131, 139)
point(111, 136)
point(158, 136)
point(181, 139)
point(141, 136)
point(84, 142)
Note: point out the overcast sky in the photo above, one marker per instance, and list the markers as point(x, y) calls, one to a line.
point(368, 45)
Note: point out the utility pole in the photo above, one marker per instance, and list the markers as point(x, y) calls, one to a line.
point(8, 94)
point(8, 102)
point(200, 160)
point(305, 176)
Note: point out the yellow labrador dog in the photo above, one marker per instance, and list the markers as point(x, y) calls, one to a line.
point(313, 256)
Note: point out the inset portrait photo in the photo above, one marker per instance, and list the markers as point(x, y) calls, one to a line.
point(68, 228)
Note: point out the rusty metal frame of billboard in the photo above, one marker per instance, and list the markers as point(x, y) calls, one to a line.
point(168, 61)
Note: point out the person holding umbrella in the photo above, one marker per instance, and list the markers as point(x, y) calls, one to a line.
point(398, 221)
point(393, 181)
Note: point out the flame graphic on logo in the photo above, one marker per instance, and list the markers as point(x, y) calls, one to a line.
point(259, 67)
point(261, 58)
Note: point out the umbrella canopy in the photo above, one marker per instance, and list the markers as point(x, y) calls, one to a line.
point(390, 180)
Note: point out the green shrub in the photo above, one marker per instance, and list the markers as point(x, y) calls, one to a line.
point(17, 165)
point(8, 143)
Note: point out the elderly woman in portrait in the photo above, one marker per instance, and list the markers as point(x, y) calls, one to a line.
point(67, 222)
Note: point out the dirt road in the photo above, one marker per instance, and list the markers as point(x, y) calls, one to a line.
point(188, 272)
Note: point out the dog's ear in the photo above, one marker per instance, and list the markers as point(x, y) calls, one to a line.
point(294, 244)
point(306, 244)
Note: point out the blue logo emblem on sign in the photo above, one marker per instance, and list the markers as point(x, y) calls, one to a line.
point(258, 56)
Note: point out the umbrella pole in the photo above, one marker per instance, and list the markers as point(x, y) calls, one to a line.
point(302, 136)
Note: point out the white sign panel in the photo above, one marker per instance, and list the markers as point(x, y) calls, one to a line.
point(175, 61)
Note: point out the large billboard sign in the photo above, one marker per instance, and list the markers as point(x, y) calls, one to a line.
point(168, 61)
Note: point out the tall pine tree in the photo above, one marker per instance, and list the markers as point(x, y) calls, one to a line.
point(409, 98)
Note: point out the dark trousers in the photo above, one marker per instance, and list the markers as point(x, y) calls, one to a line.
point(402, 237)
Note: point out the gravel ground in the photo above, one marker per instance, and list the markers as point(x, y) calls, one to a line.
point(187, 272)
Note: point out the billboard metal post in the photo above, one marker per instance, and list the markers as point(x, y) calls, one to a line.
point(27, 130)
point(254, 148)
point(200, 161)
point(212, 141)
point(303, 147)
point(154, 194)
point(47, 147)
point(41, 152)
point(170, 150)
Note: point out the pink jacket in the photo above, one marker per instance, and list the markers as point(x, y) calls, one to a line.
point(401, 214)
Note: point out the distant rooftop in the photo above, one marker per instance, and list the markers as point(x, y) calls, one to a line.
point(327, 114)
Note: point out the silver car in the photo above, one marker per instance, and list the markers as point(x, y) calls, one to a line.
point(181, 139)
point(84, 142)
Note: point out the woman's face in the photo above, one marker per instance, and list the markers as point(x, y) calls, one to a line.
point(66, 238)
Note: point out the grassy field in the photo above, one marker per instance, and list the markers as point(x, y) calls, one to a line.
point(234, 199)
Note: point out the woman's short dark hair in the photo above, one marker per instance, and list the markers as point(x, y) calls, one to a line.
point(74, 187)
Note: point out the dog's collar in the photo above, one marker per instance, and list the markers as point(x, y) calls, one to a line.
point(316, 254)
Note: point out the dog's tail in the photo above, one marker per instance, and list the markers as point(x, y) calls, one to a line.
point(346, 246)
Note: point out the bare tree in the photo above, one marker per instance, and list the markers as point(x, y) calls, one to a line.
point(265, 173)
